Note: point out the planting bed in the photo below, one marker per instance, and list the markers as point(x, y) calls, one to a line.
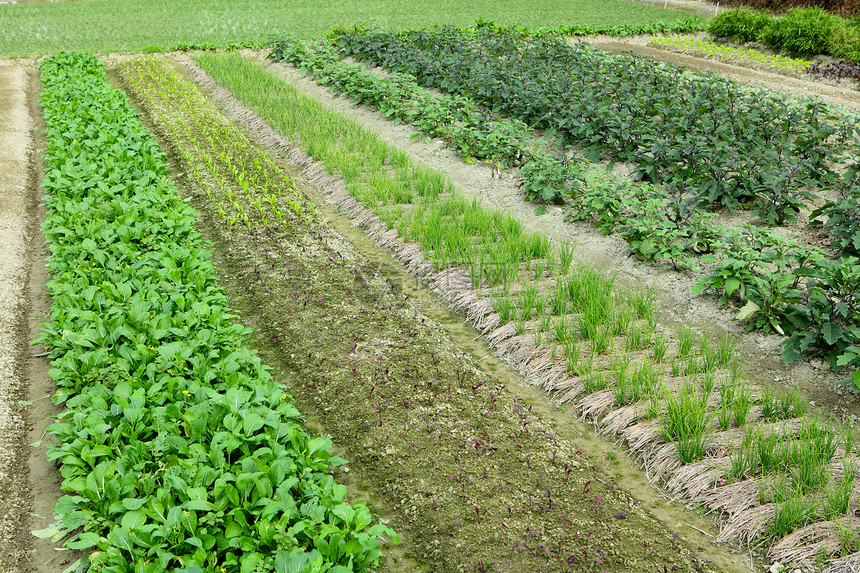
point(728, 53)
point(633, 404)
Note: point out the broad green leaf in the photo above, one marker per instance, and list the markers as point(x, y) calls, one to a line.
point(831, 332)
point(133, 519)
point(731, 285)
point(198, 505)
point(195, 541)
point(344, 512)
point(84, 540)
point(119, 538)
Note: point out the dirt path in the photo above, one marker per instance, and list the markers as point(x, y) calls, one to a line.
point(678, 306)
point(844, 97)
point(44, 477)
point(15, 140)
point(29, 483)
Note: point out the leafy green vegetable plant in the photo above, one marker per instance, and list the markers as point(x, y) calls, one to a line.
point(178, 449)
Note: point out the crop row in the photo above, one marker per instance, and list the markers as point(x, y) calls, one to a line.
point(686, 26)
point(178, 449)
point(758, 270)
point(678, 401)
point(702, 135)
point(837, 70)
point(734, 54)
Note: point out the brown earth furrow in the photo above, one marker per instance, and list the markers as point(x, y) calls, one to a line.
point(753, 78)
point(16, 128)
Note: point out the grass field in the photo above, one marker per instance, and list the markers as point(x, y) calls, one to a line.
point(137, 25)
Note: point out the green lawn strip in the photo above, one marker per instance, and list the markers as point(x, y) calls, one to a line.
point(135, 25)
point(178, 449)
point(609, 354)
point(779, 284)
point(468, 470)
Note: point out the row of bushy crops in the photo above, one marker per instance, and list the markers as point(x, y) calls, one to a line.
point(702, 133)
point(178, 449)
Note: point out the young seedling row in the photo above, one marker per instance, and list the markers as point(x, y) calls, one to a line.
point(678, 400)
point(748, 57)
point(475, 476)
point(178, 450)
point(734, 54)
point(802, 291)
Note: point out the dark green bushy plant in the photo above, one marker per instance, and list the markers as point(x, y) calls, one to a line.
point(832, 305)
point(801, 32)
point(841, 216)
point(762, 273)
point(741, 24)
point(549, 179)
point(845, 40)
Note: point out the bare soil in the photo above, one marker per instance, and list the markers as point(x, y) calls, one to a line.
point(28, 482)
point(15, 136)
point(835, 95)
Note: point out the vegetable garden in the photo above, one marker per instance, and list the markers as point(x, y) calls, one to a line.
point(563, 326)
point(391, 387)
point(233, 268)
